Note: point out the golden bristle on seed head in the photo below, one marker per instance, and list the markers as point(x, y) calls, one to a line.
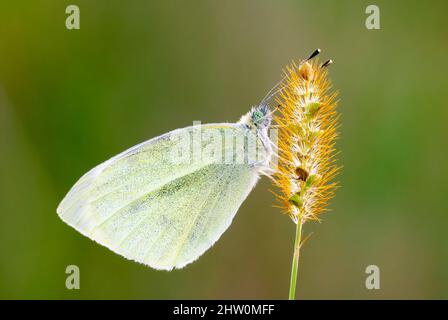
point(307, 123)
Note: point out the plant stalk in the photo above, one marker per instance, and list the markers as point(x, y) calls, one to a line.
point(295, 261)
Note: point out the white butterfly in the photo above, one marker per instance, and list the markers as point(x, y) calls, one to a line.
point(164, 204)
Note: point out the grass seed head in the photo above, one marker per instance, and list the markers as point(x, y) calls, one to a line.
point(308, 124)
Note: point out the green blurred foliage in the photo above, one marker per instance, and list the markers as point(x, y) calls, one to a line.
point(71, 99)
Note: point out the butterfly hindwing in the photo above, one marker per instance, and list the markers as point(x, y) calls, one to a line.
point(145, 206)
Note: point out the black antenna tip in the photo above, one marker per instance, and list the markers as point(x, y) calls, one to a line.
point(315, 53)
point(326, 63)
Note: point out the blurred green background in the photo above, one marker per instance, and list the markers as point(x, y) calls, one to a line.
point(71, 99)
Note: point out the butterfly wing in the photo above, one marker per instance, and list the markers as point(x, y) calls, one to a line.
point(146, 207)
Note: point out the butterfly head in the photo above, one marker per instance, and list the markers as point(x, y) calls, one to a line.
point(258, 118)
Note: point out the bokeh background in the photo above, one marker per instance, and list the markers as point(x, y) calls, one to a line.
point(136, 69)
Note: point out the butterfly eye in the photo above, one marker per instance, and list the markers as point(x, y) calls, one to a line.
point(257, 116)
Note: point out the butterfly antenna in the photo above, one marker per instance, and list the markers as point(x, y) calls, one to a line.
point(271, 112)
point(272, 93)
point(326, 63)
point(268, 95)
point(275, 92)
point(313, 54)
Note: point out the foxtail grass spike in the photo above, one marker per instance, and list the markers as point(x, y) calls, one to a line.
point(308, 123)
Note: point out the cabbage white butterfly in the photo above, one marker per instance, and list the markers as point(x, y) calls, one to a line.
point(166, 201)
